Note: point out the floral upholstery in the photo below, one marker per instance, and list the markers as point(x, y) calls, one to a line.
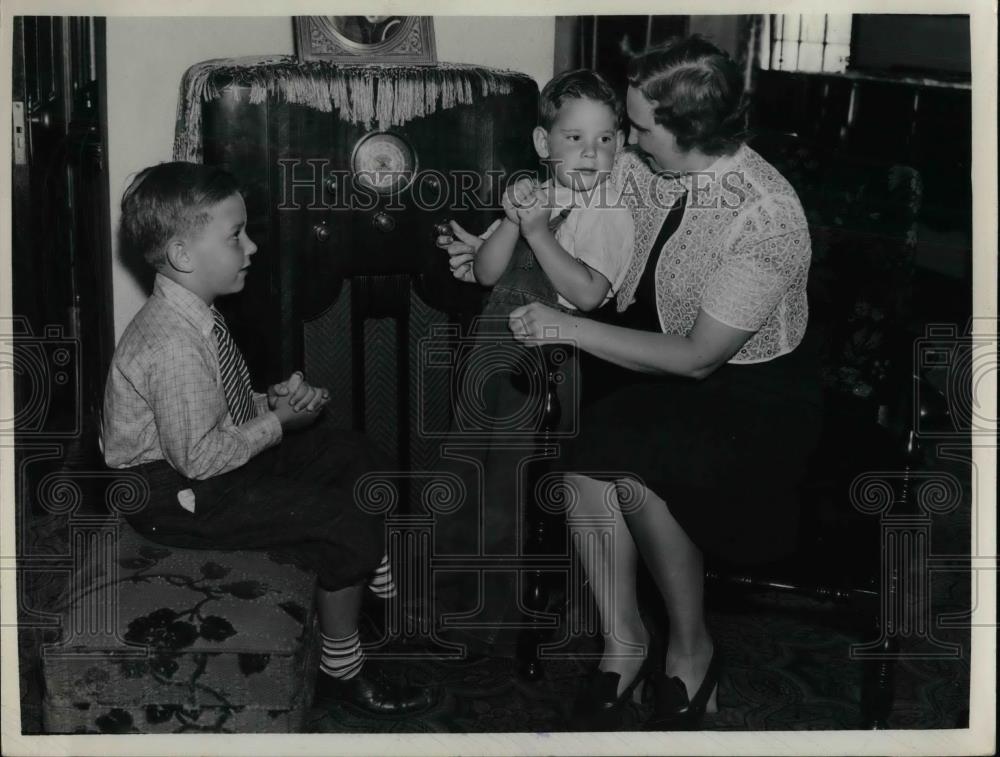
point(864, 265)
point(207, 641)
point(863, 223)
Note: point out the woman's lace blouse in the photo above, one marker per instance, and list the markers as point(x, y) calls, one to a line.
point(741, 252)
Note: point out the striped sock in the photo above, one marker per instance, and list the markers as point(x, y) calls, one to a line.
point(382, 583)
point(342, 658)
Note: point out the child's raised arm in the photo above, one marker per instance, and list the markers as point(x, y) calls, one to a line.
point(580, 284)
point(494, 256)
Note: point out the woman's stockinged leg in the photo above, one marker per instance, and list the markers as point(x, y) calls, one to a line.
point(677, 567)
point(608, 555)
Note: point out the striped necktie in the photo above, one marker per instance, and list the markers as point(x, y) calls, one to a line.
point(235, 376)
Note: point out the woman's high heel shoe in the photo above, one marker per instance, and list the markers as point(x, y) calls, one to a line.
point(599, 707)
point(672, 709)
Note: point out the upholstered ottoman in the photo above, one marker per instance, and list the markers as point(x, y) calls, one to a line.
point(182, 640)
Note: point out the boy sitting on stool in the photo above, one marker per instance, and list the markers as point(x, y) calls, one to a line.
point(229, 468)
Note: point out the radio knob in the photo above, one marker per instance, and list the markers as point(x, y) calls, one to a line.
point(432, 181)
point(321, 231)
point(383, 222)
point(444, 231)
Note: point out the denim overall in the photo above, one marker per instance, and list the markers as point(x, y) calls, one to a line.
point(506, 381)
point(524, 281)
point(514, 372)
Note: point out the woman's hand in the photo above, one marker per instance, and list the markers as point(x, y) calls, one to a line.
point(461, 250)
point(540, 323)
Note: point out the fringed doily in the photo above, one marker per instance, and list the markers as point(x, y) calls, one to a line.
point(386, 94)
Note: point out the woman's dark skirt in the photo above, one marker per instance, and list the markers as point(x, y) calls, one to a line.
point(726, 453)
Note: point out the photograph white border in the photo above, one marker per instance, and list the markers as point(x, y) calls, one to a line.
point(979, 738)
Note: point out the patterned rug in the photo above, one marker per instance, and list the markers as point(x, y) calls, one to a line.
point(787, 661)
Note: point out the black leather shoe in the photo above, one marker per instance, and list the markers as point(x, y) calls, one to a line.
point(374, 697)
point(672, 709)
point(599, 707)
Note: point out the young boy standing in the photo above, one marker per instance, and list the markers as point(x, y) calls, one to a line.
point(229, 468)
point(567, 242)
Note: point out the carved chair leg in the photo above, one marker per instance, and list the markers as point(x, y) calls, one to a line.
point(535, 600)
point(878, 675)
point(878, 688)
point(538, 542)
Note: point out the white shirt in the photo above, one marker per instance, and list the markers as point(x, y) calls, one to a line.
point(598, 231)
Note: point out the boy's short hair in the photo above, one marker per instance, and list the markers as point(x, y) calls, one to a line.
point(581, 83)
point(169, 200)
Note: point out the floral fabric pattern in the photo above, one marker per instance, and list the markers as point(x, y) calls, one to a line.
point(863, 216)
point(206, 641)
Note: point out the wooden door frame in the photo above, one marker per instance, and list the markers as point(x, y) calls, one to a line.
point(79, 129)
point(106, 295)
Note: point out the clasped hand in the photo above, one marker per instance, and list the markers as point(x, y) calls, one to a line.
point(526, 205)
point(295, 401)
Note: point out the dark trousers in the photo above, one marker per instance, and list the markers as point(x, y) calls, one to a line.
point(296, 499)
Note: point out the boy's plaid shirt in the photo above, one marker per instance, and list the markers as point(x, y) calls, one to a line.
point(164, 398)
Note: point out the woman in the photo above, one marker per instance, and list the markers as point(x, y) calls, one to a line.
point(711, 408)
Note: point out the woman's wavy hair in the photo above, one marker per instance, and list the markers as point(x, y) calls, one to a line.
point(698, 93)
